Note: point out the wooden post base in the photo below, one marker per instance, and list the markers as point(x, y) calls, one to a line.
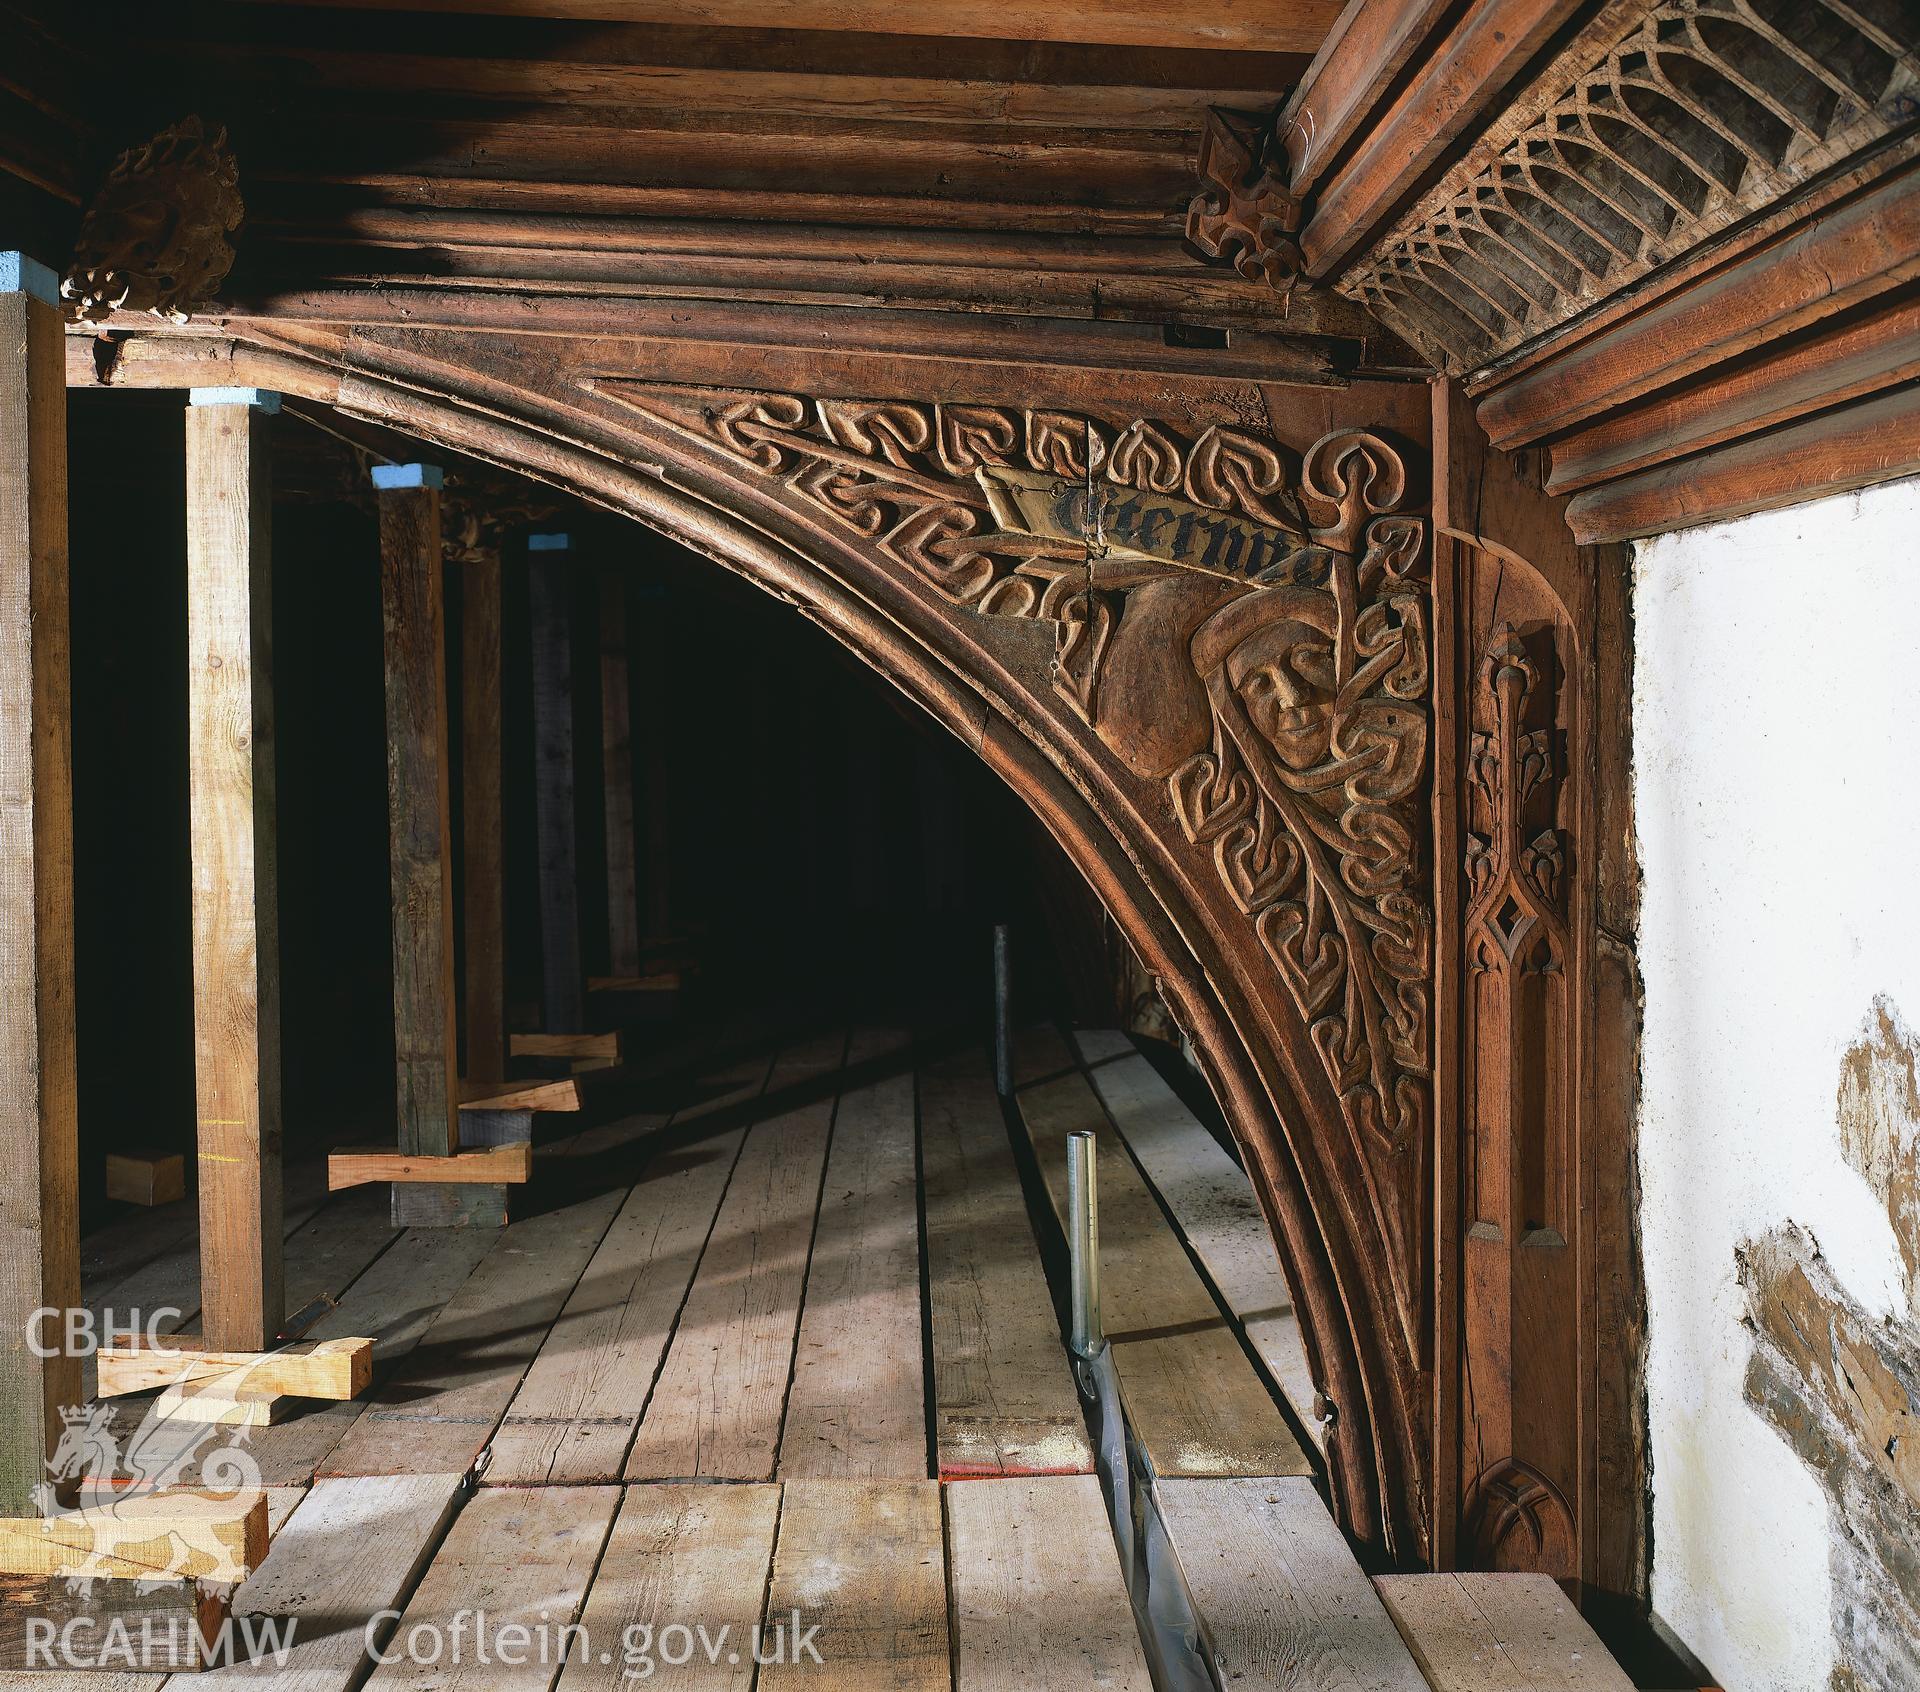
point(469, 1204)
point(113, 1627)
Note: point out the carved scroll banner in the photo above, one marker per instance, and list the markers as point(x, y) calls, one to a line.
point(1126, 525)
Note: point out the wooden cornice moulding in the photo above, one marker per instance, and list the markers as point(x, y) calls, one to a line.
point(1849, 254)
point(1876, 440)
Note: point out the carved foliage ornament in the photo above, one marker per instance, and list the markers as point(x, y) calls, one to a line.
point(155, 239)
point(1244, 214)
point(1248, 632)
point(1699, 113)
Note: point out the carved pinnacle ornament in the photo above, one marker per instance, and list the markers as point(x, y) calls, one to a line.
point(155, 239)
point(1244, 214)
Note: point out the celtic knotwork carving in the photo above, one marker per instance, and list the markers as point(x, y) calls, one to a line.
point(1251, 635)
point(155, 239)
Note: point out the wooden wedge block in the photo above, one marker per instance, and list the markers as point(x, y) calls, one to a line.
point(355, 1166)
point(519, 1095)
point(113, 1625)
point(143, 1536)
point(146, 1177)
point(210, 1404)
point(564, 1045)
point(333, 1368)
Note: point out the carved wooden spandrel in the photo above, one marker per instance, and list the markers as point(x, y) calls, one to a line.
point(1244, 628)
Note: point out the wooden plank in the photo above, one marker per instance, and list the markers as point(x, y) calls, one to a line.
point(1499, 1633)
point(420, 829)
point(183, 1534)
point(333, 1368)
point(550, 586)
point(520, 1095)
point(354, 1548)
point(482, 808)
point(1194, 1400)
point(39, 1127)
point(1270, 26)
point(393, 1303)
point(436, 1414)
point(679, 1556)
point(1038, 1600)
point(1285, 1603)
point(1039, 1051)
point(353, 1166)
point(857, 1407)
point(716, 1410)
point(864, 1562)
point(616, 766)
point(654, 981)
point(565, 1045)
point(148, 1178)
point(1101, 1045)
point(1216, 1212)
point(236, 923)
point(524, 1556)
point(575, 1414)
point(1004, 1398)
point(166, 1627)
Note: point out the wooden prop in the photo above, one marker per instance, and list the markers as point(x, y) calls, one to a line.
point(236, 922)
point(39, 1128)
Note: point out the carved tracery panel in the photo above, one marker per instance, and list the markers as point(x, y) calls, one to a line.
point(1694, 114)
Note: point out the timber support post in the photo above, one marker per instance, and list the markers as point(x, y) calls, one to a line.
point(419, 812)
point(550, 588)
point(616, 759)
point(482, 802)
point(39, 1132)
point(236, 947)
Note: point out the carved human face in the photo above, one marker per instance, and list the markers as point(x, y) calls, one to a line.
point(1283, 674)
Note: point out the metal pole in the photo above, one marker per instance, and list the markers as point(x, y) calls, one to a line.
point(1002, 1012)
point(1083, 1245)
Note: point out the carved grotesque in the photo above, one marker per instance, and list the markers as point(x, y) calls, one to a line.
point(155, 239)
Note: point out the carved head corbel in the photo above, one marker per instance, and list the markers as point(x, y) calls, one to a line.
point(155, 239)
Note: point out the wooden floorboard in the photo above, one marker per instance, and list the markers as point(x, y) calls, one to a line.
point(1004, 1398)
point(1195, 1401)
point(437, 1414)
point(574, 1416)
point(685, 1555)
point(392, 1303)
point(1039, 1604)
point(354, 1548)
point(1213, 1205)
point(1286, 1605)
point(1499, 1633)
point(716, 1410)
point(525, 1556)
point(864, 1563)
point(857, 1408)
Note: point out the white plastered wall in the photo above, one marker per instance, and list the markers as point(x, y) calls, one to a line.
point(1777, 797)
